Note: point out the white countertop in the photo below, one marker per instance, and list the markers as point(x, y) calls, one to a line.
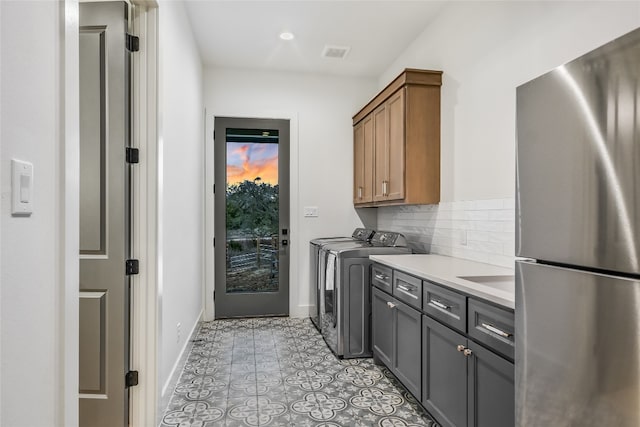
point(446, 271)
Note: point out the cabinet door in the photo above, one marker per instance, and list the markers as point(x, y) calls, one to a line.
point(358, 163)
point(363, 161)
point(407, 347)
point(382, 326)
point(395, 113)
point(444, 374)
point(381, 153)
point(491, 389)
point(367, 183)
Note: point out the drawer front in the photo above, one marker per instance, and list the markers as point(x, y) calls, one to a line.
point(381, 277)
point(408, 289)
point(447, 306)
point(492, 326)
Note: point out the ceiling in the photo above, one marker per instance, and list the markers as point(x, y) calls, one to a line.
point(245, 34)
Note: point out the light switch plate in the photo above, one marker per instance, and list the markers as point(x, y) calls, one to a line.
point(21, 188)
point(310, 211)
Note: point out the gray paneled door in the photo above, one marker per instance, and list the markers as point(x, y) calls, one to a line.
point(251, 217)
point(104, 214)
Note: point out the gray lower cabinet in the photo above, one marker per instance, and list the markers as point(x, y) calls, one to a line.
point(444, 373)
point(450, 350)
point(382, 327)
point(396, 339)
point(407, 349)
point(491, 389)
point(464, 384)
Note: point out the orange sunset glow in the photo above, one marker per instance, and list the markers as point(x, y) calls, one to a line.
point(246, 161)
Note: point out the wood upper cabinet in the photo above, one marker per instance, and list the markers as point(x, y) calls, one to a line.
point(380, 146)
point(393, 155)
point(363, 161)
point(406, 141)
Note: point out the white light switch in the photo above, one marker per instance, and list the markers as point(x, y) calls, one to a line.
point(25, 188)
point(22, 187)
point(310, 211)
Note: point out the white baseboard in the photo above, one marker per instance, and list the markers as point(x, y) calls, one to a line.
point(300, 311)
point(170, 384)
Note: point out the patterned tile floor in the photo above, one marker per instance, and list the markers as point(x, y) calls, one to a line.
point(279, 372)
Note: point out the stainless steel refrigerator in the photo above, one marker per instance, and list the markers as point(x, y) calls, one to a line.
point(578, 226)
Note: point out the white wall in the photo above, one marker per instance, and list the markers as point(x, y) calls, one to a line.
point(321, 150)
point(486, 50)
point(33, 383)
point(181, 176)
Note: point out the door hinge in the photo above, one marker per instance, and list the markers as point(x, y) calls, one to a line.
point(132, 155)
point(131, 267)
point(133, 43)
point(214, 295)
point(214, 189)
point(214, 242)
point(131, 379)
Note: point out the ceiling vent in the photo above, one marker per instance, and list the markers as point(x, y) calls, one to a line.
point(336, 52)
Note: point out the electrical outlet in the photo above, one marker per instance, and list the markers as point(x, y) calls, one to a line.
point(178, 332)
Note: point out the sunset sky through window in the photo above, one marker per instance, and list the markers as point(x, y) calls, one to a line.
point(246, 161)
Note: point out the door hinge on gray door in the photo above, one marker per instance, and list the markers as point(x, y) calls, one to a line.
point(132, 267)
point(132, 155)
point(133, 43)
point(131, 379)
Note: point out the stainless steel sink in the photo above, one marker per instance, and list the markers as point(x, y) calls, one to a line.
point(505, 283)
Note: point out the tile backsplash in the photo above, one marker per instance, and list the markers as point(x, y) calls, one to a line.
point(479, 230)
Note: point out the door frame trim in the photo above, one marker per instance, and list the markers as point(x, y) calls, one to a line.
point(144, 399)
point(67, 402)
point(295, 309)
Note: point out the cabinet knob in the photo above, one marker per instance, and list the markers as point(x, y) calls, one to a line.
point(460, 347)
point(467, 352)
point(391, 305)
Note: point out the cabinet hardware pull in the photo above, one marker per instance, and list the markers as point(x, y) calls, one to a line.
point(390, 304)
point(407, 291)
point(359, 192)
point(380, 276)
point(460, 347)
point(496, 330)
point(467, 352)
point(440, 305)
point(384, 188)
